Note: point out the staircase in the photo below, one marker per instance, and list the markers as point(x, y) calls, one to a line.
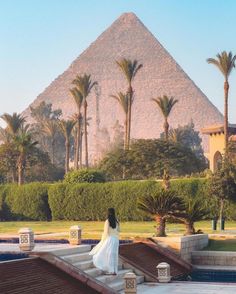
point(79, 257)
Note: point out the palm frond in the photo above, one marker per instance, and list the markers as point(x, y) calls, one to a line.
point(165, 104)
point(66, 127)
point(225, 62)
point(78, 97)
point(84, 84)
point(129, 68)
point(164, 203)
point(123, 100)
point(14, 122)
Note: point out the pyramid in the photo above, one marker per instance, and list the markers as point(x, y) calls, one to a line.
point(127, 37)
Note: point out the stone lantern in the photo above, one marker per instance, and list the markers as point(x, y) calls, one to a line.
point(26, 239)
point(163, 269)
point(130, 283)
point(75, 235)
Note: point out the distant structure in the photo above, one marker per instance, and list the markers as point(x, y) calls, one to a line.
point(127, 37)
point(216, 143)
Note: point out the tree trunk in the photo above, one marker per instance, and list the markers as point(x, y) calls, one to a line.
point(67, 145)
point(161, 226)
point(126, 132)
point(226, 90)
point(14, 175)
point(80, 150)
point(77, 145)
point(20, 170)
point(53, 148)
point(130, 93)
point(166, 179)
point(166, 128)
point(190, 230)
point(85, 133)
point(221, 208)
point(75, 149)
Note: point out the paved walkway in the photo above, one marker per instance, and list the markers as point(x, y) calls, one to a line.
point(37, 236)
point(187, 288)
point(38, 247)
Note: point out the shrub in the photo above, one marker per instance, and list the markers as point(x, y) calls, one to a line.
point(85, 175)
point(149, 158)
point(4, 211)
point(90, 201)
point(28, 202)
point(191, 187)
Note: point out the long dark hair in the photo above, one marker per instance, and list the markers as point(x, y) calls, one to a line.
point(111, 215)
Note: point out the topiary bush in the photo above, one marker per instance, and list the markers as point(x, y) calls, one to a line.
point(89, 201)
point(28, 202)
point(85, 175)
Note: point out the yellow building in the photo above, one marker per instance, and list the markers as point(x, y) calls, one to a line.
point(216, 143)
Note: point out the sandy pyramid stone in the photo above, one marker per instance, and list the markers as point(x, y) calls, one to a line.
point(128, 37)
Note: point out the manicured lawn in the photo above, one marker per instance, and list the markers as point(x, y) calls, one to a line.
point(222, 245)
point(94, 229)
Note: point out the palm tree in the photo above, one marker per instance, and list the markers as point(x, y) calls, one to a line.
point(78, 98)
point(123, 100)
point(14, 122)
point(162, 205)
point(50, 128)
point(5, 136)
point(225, 62)
point(66, 127)
point(129, 69)
point(165, 104)
point(195, 210)
point(24, 146)
point(84, 86)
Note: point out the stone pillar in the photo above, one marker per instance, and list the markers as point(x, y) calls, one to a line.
point(130, 283)
point(163, 269)
point(75, 235)
point(26, 239)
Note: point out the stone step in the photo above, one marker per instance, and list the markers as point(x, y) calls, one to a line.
point(84, 265)
point(75, 258)
point(90, 269)
point(118, 284)
point(72, 250)
point(106, 279)
point(93, 272)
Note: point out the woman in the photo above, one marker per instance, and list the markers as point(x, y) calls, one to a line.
point(105, 253)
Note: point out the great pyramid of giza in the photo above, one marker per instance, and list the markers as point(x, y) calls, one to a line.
point(127, 37)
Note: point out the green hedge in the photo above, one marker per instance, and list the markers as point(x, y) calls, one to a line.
point(90, 201)
point(193, 187)
point(4, 211)
point(27, 202)
point(85, 201)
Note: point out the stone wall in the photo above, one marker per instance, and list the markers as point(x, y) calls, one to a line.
point(183, 246)
point(214, 258)
point(188, 244)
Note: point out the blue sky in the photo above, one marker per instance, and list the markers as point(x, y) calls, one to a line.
point(40, 38)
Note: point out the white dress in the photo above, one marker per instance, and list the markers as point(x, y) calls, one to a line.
point(105, 253)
